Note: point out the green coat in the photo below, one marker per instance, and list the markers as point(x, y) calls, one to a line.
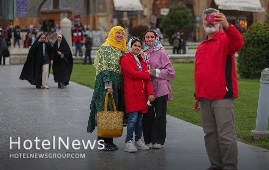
point(108, 69)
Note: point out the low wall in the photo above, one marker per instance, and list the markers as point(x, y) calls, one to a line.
point(19, 55)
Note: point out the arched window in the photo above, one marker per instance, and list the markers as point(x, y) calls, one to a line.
point(56, 4)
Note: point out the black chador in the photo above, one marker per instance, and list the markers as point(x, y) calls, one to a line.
point(62, 62)
point(32, 69)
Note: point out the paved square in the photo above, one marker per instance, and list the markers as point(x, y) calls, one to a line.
point(31, 113)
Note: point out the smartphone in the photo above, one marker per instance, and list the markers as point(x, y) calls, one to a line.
point(210, 18)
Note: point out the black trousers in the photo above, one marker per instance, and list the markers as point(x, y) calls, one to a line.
point(106, 140)
point(154, 122)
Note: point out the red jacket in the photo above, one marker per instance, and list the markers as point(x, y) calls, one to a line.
point(215, 72)
point(137, 85)
point(77, 36)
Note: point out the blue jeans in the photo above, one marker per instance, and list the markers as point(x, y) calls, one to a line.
point(17, 41)
point(88, 54)
point(134, 125)
point(78, 48)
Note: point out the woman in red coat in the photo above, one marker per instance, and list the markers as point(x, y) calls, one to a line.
point(137, 91)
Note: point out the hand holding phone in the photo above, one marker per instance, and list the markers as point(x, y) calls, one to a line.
point(210, 18)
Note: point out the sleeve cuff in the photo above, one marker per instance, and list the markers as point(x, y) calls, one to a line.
point(155, 72)
point(108, 85)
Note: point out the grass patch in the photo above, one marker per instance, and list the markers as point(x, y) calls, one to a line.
point(182, 105)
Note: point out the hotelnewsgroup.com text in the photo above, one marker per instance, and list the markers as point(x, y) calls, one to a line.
point(51, 148)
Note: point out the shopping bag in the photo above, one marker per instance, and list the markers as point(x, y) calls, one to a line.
point(109, 123)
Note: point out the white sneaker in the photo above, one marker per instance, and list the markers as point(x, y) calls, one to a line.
point(45, 87)
point(157, 146)
point(149, 145)
point(129, 147)
point(140, 145)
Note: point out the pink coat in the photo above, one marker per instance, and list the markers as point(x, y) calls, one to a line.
point(161, 85)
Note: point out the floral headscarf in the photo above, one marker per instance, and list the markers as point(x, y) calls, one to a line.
point(155, 47)
point(107, 57)
point(111, 39)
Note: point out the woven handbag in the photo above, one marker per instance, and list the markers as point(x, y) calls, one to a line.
point(109, 123)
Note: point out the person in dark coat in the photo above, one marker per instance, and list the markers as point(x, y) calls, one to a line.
point(88, 47)
point(62, 62)
point(36, 67)
point(3, 48)
point(17, 36)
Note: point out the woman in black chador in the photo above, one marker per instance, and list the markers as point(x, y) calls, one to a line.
point(62, 62)
point(36, 67)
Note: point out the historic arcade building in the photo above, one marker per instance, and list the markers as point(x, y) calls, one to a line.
point(102, 14)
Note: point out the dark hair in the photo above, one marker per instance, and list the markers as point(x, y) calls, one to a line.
point(151, 30)
point(134, 39)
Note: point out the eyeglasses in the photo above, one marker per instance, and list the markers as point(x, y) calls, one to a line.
point(150, 37)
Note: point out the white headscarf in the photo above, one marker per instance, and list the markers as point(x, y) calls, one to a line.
point(129, 45)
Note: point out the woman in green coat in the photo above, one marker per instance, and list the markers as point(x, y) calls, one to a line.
point(108, 79)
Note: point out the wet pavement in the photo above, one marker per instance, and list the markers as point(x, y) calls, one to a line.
point(48, 119)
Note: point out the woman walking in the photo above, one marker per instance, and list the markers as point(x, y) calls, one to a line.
point(62, 62)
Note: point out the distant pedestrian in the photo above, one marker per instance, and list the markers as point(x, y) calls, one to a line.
point(216, 88)
point(137, 91)
point(77, 40)
point(3, 48)
point(88, 49)
point(176, 43)
point(162, 72)
point(17, 36)
point(88, 32)
point(7, 33)
point(62, 62)
point(36, 67)
point(31, 39)
point(183, 37)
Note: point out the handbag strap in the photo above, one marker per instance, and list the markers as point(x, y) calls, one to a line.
point(106, 102)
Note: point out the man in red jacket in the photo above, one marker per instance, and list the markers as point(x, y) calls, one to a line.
point(216, 88)
point(77, 38)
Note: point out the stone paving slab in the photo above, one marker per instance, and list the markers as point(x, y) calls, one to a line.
point(31, 113)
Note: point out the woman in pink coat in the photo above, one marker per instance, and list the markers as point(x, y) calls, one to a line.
point(137, 91)
point(162, 72)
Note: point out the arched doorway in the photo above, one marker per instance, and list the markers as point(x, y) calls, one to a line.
point(51, 13)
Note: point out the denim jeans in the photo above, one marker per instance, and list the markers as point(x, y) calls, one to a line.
point(88, 55)
point(78, 48)
point(134, 125)
point(16, 41)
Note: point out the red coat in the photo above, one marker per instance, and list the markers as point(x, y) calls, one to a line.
point(215, 74)
point(137, 85)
